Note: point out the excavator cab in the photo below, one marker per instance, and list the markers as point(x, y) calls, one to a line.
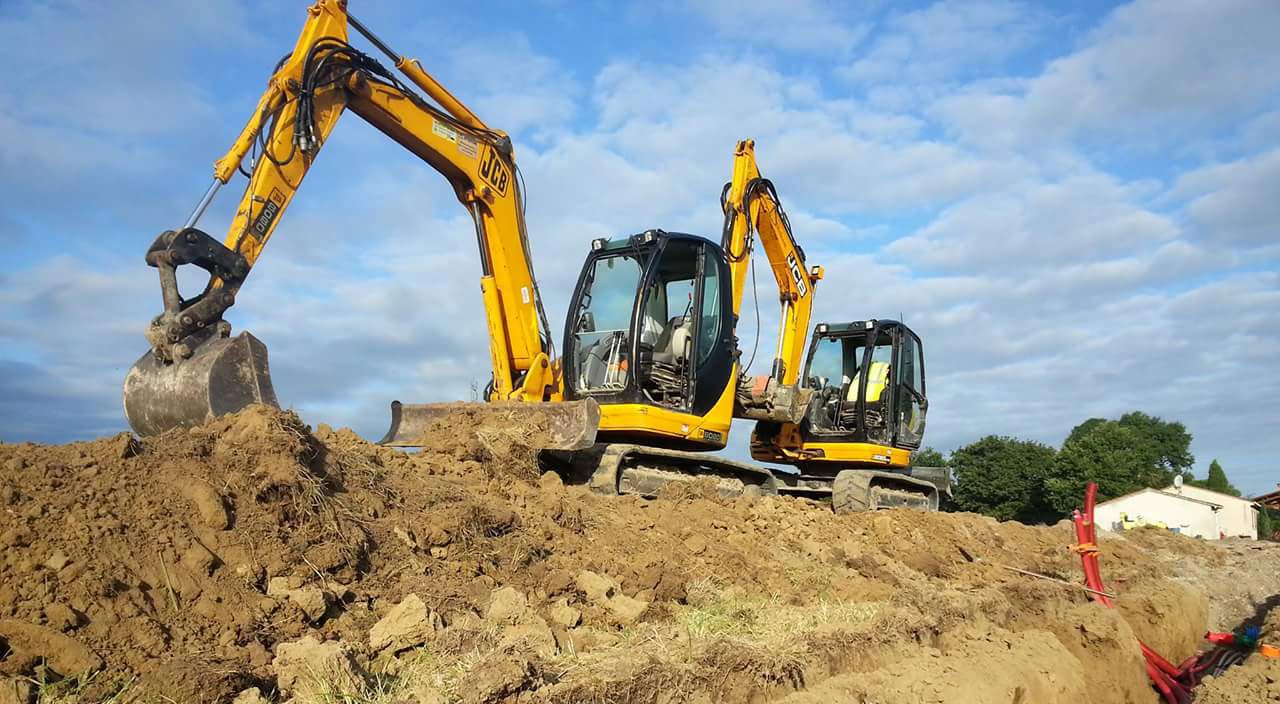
point(868, 382)
point(649, 335)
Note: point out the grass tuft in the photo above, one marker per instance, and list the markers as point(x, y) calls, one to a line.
point(714, 613)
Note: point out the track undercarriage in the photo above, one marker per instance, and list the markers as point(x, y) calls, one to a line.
point(622, 468)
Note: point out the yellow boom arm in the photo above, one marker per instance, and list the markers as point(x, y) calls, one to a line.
point(751, 206)
point(310, 89)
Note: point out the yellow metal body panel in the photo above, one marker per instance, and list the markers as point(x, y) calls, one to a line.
point(665, 422)
point(793, 449)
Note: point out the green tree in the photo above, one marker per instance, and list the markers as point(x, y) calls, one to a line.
point(1136, 451)
point(928, 457)
point(1217, 480)
point(1003, 477)
point(1084, 428)
point(1266, 524)
point(1168, 442)
point(1111, 454)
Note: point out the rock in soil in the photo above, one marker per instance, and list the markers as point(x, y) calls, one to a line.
point(17, 690)
point(307, 668)
point(407, 625)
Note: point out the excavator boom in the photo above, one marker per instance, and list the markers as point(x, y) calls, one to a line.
point(753, 209)
point(195, 370)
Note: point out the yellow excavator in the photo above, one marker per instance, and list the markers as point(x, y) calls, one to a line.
point(196, 370)
point(651, 336)
point(865, 417)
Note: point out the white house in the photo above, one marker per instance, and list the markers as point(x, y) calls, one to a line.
point(1190, 510)
point(1238, 517)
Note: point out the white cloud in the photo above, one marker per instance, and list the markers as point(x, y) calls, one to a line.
point(1151, 71)
point(799, 25)
point(514, 86)
point(1236, 203)
point(77, 56)
point(1036, 225)
point(947, 38)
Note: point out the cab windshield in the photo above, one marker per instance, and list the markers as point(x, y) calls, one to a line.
point(601, 341)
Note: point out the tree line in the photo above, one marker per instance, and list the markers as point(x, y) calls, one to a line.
point(1028, 481)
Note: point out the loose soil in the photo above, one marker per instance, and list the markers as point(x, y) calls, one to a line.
point(254, 552)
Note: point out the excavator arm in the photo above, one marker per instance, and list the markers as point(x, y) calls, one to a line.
point(752, 208)
point(194, 369)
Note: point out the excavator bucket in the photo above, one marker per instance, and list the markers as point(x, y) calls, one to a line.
point(567, 425)
point(222, 376)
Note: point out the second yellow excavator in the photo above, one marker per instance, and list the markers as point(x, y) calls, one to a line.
point(865, 417)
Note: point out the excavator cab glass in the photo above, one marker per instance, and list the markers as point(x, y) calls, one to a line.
point(649, 323)
point(868, 382)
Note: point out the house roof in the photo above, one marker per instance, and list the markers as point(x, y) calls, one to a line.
point(1271, 500)
point(1228, 497)
point(1165, 493)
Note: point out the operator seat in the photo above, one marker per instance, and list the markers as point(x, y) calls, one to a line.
point(672, 343)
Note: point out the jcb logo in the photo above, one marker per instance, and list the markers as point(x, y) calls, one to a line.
point(801, 286)
point(495, 171)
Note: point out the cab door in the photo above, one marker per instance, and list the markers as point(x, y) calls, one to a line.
point(910, 404)
point(715, 346)
point(685, 330)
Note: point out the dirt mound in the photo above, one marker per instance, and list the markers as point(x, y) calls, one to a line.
point(253, 553)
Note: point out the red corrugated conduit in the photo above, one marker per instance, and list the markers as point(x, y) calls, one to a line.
point(1173, 683)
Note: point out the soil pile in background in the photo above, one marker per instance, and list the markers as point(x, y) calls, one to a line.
point(254, 553)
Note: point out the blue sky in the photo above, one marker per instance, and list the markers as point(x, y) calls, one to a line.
point(1074, 204)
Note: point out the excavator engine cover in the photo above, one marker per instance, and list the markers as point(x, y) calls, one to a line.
point(567, 425)
point(223, 375)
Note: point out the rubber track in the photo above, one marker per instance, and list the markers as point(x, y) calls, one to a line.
point(616, 457)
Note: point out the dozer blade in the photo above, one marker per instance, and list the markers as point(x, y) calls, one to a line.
point(222, 376)
point(567, 425)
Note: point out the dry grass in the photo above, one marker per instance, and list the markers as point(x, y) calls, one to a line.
point(73, 690)
point(314, 494)
point(714, 613)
